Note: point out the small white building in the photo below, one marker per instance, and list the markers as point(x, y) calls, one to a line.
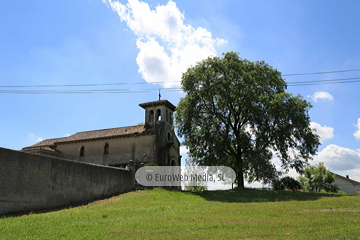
point(346, 184)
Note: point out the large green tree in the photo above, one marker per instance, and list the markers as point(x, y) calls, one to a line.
point(237, 113)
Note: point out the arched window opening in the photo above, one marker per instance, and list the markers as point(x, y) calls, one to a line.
point(151, 116)
point(106, 149)
point(167, 116)
point(82, 151)
point(168, 136)
point(158, 116)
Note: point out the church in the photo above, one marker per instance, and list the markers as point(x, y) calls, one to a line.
point(153, 142)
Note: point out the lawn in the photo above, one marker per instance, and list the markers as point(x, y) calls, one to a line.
point(162, 214)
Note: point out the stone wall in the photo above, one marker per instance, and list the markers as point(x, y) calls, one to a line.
point(30, 181)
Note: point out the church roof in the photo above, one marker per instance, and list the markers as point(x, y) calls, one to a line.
point(36, 149)
point(45, 143)
point(106, 133)
point(93, 135)
point(158, 103)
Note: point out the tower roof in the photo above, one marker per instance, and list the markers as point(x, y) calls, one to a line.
point(158, 103)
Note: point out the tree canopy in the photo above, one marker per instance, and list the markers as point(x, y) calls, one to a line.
point(317, 178)
point(236, 113)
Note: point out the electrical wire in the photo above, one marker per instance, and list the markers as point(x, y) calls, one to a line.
point(88, 85)
point(135, 83)
point(138, 90)
point(87, 91)
point(297, 74)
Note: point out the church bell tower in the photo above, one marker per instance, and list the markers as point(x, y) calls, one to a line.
point(159, 118)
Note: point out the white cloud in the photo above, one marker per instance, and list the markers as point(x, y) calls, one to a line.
point(322, 95)
point(357, 133)
point(167, 46)
point(339, 158)
point(323, 131)
point(184, 150)
point(67, 135)
point(32, 138)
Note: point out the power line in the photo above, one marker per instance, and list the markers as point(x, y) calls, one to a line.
point(86, 91)
point(117, 91)
point(330, 81)
point(297, 74)
point(88, 85)
point(138, 90)
point(305, 84)
point(124, 90)
point(162, 82)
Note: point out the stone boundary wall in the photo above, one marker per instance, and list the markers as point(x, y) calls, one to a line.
point(31, 181)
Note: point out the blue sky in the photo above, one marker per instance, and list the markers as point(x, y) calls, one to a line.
point(99, 42)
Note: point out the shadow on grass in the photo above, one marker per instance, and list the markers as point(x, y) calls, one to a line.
point(44, 210)
point(56, 208)
point(252, 195)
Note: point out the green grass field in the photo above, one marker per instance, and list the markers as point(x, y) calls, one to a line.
point(162, 214)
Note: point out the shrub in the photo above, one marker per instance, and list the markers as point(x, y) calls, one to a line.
point(291, 183)
point(286, 183)
point(277, 184)
point(195, 188)
point(149, 164)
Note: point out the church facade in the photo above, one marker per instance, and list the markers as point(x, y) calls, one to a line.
point(155, 141)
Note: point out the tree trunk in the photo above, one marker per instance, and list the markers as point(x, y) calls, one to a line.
point(240, 178)
point(239, 173)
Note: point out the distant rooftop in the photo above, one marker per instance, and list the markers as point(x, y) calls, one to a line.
point(347, 179)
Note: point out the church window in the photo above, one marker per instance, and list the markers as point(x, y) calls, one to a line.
point(106, 149)
point(82, 151)
point(158, 116)
point(168, 135)
point(151, 116)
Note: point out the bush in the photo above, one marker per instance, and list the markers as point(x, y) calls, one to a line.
point(149, 164)
point(331, 188)
point(286, 183)
point(195, 188)
point(277, 185)
point(291, 183)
